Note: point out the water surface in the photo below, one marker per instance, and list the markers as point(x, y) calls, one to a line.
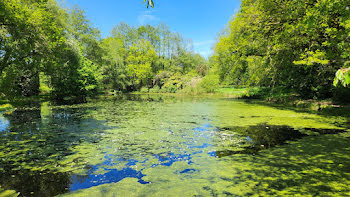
point(143, 145)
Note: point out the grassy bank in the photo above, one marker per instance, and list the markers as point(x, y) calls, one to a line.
point(280, 96)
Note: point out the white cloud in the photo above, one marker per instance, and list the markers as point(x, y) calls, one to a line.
point(147, 17)
point(204, 43)
point(204, 48)
point(205, 53)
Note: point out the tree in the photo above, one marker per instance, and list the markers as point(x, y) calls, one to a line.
point(29, 34)
point(75, 72)
point(140, 59)
point(295, 44)
point(113, 67)
point(39, 38)
point(43, 44)
point(88, 37)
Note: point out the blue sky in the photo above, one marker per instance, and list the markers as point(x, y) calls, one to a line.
point(199, 20)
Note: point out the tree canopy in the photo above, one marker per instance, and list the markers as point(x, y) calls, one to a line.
point(301, 45)
point(298, 44)
point(46, 47)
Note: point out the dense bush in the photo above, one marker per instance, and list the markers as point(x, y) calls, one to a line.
point(209, 83)
point(155, 89)
point(144, 90)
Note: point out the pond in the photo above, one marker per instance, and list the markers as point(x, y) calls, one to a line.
point(154, 145)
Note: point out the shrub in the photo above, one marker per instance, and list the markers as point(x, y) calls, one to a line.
point(171, 89)
point(209, 83)
point(174, 83)
point(161, 78)
point(163, 90)
point(144, 90)
point(155, 89)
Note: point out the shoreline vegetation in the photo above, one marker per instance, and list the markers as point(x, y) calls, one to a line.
point(278, 96)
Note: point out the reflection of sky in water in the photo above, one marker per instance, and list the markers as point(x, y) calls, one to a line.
point(114, 175)
point(4, 123)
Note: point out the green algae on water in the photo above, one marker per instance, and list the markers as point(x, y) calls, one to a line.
point(155, 145)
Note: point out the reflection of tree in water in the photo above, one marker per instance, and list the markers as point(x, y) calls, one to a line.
point(34, 143)
point(251, 139)
point(36, 183)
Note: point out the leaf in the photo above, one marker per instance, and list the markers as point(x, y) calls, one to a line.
point(347, 78)
point(149, 3)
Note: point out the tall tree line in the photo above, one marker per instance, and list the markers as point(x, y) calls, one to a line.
point(44, 46)
point(134, 56)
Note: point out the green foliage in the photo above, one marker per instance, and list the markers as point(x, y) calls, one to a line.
point(8, 193)
point(148, 56)
point(341, 94)
point(161, 78)
point(44, 47)
point(29, 34)
point(174, 83)
point(295, 44)
point(201, 66)
point(149, 3)
point(209, 83)
point(139, 60)
point(113, 69)
point(5, 107)
point(44, 84)
point(144, 90)
point(77, 78)
point(89, 76)
point(48, 49)
point(342, 77)
point(8, 81)
point(155, 89)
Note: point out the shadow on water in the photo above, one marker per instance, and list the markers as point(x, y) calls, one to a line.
point(342, 110)
point(252, 139)
point(312, 166)
point(33, 141)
